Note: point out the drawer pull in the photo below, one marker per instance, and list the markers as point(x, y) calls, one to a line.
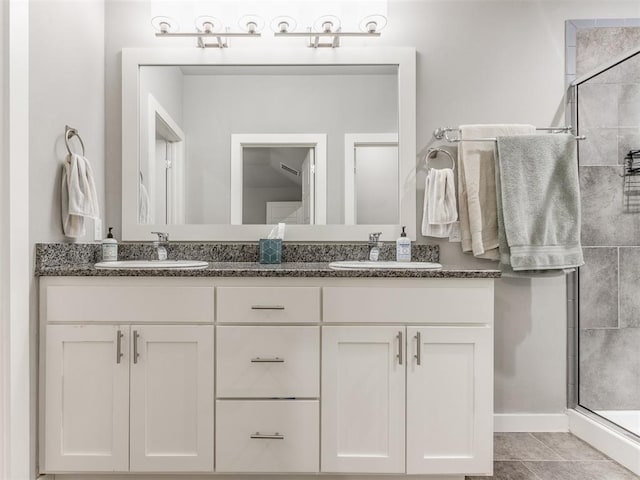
point(267, 307)
point(399, 356)
point(267, 360)
point(267, 436)
point(418, 355)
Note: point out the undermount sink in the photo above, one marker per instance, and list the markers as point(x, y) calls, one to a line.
point(153, 264)
point(368, 265)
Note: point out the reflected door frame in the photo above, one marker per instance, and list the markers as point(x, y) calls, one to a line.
point(175, 138)
point(351, 141)
point(317, 141)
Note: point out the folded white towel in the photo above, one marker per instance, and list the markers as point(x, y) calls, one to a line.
point(477, 187)
point(439, 211)
point(144, 214)
point(539, 202)
point(79, 199)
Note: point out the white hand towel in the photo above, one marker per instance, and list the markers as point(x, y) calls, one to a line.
point(79, 199)
point(439, 210)
point(477, 187)
point(144, 215)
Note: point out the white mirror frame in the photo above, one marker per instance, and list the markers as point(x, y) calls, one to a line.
point(403, 57)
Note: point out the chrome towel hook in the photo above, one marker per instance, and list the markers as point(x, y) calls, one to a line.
point(433, 153)
point(70, 132)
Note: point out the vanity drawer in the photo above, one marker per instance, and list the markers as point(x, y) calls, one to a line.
point(458, 301)
point(266, 362)
point(129, 303)
point(268, 304)
point(267, 436)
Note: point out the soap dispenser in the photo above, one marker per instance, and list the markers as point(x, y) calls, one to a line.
point(109, 248)
point(403, 247)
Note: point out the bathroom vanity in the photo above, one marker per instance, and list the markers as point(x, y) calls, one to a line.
point(286, 369)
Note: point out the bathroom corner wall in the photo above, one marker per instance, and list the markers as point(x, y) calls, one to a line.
point(609, 115)
point(66, 64)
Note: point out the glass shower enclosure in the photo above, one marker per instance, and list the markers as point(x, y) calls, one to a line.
point(607, 110)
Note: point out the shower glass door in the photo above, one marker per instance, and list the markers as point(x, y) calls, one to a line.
point(608, 112)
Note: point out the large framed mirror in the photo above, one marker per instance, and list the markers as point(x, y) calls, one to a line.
point(221, 145)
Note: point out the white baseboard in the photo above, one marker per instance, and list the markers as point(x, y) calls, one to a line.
point(608, 441)
point(530, 422)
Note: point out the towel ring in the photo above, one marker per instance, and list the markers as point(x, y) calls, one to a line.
point(436, 150)
point(72, 132)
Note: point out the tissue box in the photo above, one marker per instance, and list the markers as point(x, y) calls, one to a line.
point(270, 250)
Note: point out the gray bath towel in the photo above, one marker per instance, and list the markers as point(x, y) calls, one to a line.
point(538, 200)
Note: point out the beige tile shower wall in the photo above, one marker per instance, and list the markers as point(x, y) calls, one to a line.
point(609, 114)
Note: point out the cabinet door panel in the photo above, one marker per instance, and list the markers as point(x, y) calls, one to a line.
point(172, 399)
point(86, 399)
point(363, 414)
point(449, 400)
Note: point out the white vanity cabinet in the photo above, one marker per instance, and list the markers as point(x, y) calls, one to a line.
point(435, 378)
point(385, 376)
point(129, 397)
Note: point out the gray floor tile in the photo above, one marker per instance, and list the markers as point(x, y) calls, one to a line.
point(569, 447)
point(579, 471)
point(508, 471)
point(521, 446)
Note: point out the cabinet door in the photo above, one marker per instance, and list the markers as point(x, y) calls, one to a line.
point(449, 400)
point(171, 399)
point(86, 399)
point(363, 392)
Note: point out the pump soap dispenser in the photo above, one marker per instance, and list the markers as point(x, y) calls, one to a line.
point(403, 247)
point(109, 248)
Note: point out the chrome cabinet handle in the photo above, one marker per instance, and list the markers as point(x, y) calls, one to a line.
point(267, 360)
point(266, 436)
point(399, 337)
point(418, 355)
point(267, 307)
point(119, 353)
point(136, 335)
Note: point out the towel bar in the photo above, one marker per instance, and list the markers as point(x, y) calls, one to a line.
point(442, 134)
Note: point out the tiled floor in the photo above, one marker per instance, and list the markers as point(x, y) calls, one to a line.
point(551, 456)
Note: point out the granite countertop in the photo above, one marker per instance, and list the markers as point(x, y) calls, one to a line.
point(239, 260)
point(253, 269)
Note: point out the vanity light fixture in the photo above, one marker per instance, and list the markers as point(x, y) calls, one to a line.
point(209, 27)
point(328, 26)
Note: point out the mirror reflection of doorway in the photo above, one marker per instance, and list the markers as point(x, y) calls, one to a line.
point(161, 189)
point(277, 185)
point(278, 178)
point(372, 169)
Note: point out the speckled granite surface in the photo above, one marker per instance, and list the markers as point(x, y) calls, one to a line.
point(240, 260)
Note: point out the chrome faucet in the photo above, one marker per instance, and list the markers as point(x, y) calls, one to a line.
point(161, 245)
point(374, 246)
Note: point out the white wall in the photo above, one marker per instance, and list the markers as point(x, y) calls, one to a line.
point(17, 403)
point(66, 63)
